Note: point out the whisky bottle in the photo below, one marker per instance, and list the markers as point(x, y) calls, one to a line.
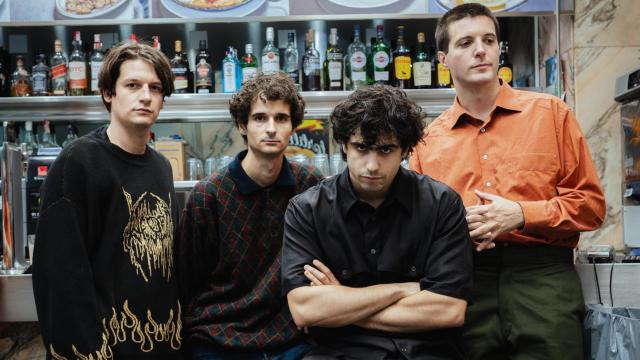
point(291, 60)
point(40, 75)
point(20, 79)
point(181, 71)
point(505, 67)
point(402, 62)
point(96, 63)
point(58, 71)
point(204, 72)
point(333, 63)
point(311, 65)
point(77, 68)
point(421, 65)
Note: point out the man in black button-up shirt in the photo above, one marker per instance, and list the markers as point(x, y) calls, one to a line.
point(377, 260)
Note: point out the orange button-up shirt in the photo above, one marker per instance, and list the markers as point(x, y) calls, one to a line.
point(531, 150)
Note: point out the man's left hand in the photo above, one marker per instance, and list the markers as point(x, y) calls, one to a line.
point(319, 274)
point(488, 221)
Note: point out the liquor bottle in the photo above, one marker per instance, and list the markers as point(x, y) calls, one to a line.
point(40, 75)
point(58, 70)
point(204, 71)
point(20, 79)
point(380, 58)
point(72, 135)
point(29, 139)
point(231, 78)
point(158, 46)
point(47, 141)
point(505, 67)
point(311, 64)
point(249, 64)
point(10, 131)
point(96, 63)
point(270, 55)
point(421, 65)
point(133, 38)
point(356, 62)
point(77, 68)
point(291, 60)
point(4, 72)
point(333, 63)
point(444, 76)
point(182, 73)
point(402, 62)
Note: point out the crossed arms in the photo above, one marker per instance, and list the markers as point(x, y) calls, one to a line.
point(396, 307)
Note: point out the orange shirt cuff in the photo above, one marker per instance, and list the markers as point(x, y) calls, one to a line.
point(534, 214)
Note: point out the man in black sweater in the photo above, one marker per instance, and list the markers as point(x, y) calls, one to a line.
point(103, 273)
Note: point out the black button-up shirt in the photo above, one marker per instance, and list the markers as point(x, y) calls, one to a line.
point(419, 233)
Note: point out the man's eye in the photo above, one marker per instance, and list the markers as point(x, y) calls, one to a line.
point(157, 89)
point(132, 85)
point(385, 150)
point(282, 119)
point(259, 118)
point(362, 148)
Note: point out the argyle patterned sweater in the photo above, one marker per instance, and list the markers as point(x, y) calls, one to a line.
point(229, 259)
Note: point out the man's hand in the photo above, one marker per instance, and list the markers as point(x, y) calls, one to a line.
point(488, 221)
point(319, 274)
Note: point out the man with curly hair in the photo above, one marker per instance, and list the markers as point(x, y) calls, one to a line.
point(231, 234)
point(396, 241)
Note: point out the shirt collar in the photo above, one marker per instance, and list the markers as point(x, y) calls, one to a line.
point(400, 191)
point(507, 99)
point(247, 186)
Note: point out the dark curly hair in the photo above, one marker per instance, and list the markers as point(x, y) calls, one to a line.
point(458, 13)
point(378, 111)
point(270, 87)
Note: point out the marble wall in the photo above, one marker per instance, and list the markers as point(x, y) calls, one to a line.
point(606, 46)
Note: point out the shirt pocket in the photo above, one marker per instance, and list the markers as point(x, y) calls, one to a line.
point(539, 162)
point(533, 175)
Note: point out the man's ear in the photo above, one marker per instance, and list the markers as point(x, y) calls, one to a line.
point(242, 128)
point(106, 96)
point(442, 57)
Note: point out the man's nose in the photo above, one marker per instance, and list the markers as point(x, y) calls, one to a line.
point(372, 162)
point(271, 125)
point(146, 93)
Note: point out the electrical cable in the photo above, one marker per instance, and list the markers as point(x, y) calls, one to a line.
point(611, 282)
point(595, 273)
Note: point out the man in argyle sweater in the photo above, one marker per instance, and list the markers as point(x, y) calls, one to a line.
point(231, 234)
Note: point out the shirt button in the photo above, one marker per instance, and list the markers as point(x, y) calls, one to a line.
point(344, 272)
point(488, 184)
point(412, 269)
point(485, 157)
point(373, 251)
point(404, 349)
point(482, 130)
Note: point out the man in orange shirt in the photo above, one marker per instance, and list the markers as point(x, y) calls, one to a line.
point(522, 166)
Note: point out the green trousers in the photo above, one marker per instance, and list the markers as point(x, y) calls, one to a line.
point(527, 304)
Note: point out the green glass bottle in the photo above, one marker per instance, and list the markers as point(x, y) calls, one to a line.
point(380, 58)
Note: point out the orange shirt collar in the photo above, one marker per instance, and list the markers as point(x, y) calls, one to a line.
point(507, 99)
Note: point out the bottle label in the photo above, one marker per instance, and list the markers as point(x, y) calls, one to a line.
point(381, 59)
point(203, 77)
point(59, 79)
point(381, 75)
point(229, 77)
point(95, 72)
point(358, 60)
point(77, 75)
point(248, 73)
point(270, 63)
point(22, 87)
point(39, 81)
point(293, 75)
point(402, 66)
point(422, 73)
point(444, 76)
point(358, 76)
point(311, 66)
point(335, 72)
point(180, 82)
point(505, 74)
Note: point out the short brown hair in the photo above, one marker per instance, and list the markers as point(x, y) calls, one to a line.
point(458, 13)
point(270, 87)
point(110, 70)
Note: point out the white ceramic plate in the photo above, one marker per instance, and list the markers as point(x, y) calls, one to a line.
point(508, 4)
point(62, 9)
point(363, 4)
point(236, 11)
